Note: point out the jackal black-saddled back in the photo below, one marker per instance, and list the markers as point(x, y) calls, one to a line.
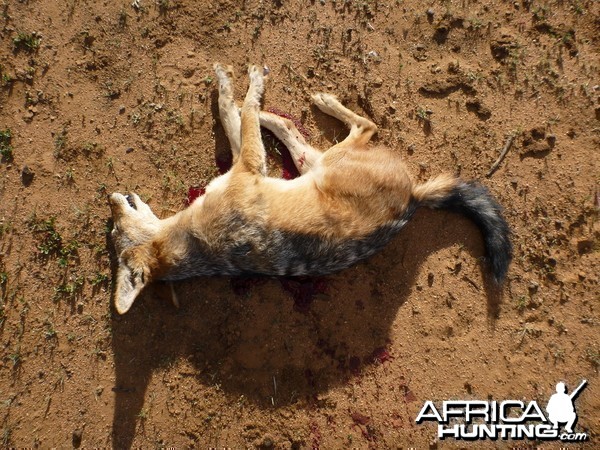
point(250, 248)
point(474, 201)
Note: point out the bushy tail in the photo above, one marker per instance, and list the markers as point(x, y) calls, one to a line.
point(474, 201)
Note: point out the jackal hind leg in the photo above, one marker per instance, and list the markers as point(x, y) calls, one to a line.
point(252, 151)
point(304, 155)
point(229, 112)
point(361, 129)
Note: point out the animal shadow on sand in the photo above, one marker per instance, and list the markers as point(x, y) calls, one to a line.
point(243, 334)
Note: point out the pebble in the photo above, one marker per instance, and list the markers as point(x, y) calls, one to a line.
point(77, 437)
point(27, 175)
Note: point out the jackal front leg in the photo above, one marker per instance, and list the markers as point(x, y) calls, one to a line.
point(252, 151)
point(361, 129)
point(229, 112)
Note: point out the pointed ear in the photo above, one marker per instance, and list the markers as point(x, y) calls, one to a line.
point(130, 282)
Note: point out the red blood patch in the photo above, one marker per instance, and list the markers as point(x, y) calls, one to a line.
point(360, 419)
point(381, 355)
point(297, 122)
point(193, 193)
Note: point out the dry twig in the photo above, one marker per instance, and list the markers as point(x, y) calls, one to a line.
point(505, 150)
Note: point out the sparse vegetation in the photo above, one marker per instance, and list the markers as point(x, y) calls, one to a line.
point(15, 358)
point(6, 149)
point(51, 242)
point(70, 175)
point(69, 289)
point(60, 143)
point(423, 114)
point(28, 42)
point(592, 355)
point(50, 239)
point(521, 303)
point(49, 332)
point(98, 278)
point(5, 438)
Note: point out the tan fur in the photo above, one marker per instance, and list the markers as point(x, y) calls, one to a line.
point(435, 189)
point(344, 195)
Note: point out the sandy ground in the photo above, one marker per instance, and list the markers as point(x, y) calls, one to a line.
point(97, 97)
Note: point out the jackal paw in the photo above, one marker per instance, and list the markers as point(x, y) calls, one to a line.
point(257, 78)
point(325, 102)
point(224, 74)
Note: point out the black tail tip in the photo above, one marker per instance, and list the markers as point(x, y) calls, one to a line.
point(499, 261)
point(476, 202)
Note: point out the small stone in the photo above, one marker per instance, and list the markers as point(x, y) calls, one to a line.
point(538, 133)
point(121, 109)
point(532, 287)
point(430, 13)
point(585, 246)
point(77, 437)
point(453, 67)
point(502, 46)
point(267, 442)
point(129, 150)
point(27, 176)
point(482, 111)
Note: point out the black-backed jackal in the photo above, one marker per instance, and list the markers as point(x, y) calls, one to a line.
point(347, 204)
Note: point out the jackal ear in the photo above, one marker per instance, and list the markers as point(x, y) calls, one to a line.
point(130, 282)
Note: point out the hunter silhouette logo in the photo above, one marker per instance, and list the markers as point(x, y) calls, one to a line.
point(560, 406)
point(508, 419)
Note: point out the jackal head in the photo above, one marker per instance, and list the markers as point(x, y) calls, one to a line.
point(134, 226)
